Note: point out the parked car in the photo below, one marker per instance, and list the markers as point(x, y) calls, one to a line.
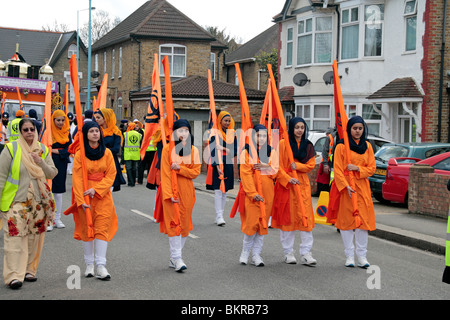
point(317, 137)
point(421, 150)
point(395, 187)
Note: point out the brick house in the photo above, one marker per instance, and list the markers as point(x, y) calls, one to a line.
point(41, 47)
point(392, 59)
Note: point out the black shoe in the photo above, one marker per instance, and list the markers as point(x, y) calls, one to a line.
point(15, 284)
point(30, 278)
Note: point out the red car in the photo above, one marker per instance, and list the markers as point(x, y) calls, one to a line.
point(395, 187)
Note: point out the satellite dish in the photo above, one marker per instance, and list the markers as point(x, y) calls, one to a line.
point(95, 74)
point(328, 77)
point(300, 79)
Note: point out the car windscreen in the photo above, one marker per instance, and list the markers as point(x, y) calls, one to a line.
point(391, 151)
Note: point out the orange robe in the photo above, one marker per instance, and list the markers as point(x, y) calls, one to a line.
point(101, 175)
point(283, 177)
point(250, 216)
point(367, 166)
point(190, 166)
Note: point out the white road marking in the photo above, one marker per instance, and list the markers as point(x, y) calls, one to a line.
point(191, 235)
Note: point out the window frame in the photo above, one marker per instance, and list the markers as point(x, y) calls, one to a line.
point(162, 55)
point(407, 16)
point(367, 23)
point(349, 24)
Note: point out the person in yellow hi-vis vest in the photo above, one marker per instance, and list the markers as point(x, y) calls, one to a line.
point(26, 203)
point(13, 126)
point(132, 152)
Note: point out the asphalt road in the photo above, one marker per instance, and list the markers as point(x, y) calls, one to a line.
point(138, 257)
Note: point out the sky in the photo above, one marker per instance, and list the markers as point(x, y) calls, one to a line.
point(241, 19)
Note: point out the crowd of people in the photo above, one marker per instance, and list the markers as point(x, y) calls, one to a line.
point(274, 189)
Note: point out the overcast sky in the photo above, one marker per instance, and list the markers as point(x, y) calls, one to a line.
point(242, 19)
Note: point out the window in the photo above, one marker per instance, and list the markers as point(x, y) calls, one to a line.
point(315, 38)
point(104, 62)
point(113, 63)
point(372, 118)
point(212, 66)
point(373, 31)
point(350, 33)
point(120, 62)
point(289, 46)
point(96, 62)
point(304, 43)
point(443, 165)
point(177, 59)
point(72, 50)
point(317, 117)
point(410, 14)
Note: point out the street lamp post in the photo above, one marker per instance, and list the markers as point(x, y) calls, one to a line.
point(88, 101)
point(78, 32)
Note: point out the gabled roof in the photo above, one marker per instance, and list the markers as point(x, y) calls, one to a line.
point(398, 88)
point(264, 42)
point(35, 45)
point(154, 19)
point(197, 87)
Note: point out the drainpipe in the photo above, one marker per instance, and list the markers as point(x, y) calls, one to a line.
point(441, 75)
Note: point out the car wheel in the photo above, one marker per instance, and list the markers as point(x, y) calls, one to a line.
point(405, 203)
point(379, 197)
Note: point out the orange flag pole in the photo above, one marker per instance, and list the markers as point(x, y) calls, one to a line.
point(66, 99)
point(74, 78)
point(170, 115)
point(267, 113)
point(215, 129)
point(19, 98)
point(45, 136)
point(246, 124)
point(341, 124)
point(303, 216)
point(101, 97)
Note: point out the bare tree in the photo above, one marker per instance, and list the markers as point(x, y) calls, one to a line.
point(232, 42)
point(101, 24)
point(58, 27)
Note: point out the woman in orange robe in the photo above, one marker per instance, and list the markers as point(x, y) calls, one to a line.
point(251, 224)
point(362, 163)
point(185, 161)
point(101, 171)
point(286, 212)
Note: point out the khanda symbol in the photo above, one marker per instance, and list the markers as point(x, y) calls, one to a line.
point(154, 116)
point(133, 139)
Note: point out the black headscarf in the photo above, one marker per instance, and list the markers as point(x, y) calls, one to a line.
point(306, 149)
point(180, 149)
point(264, 150)
point(362, 146)
point(97, 153)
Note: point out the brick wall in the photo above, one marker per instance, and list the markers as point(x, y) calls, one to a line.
point(431, 63)
point(427, 192)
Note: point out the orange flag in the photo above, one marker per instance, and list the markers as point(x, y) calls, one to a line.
point(170, 117)
point(66, 99)
point(154, 107)
point(101, 97)
point(246, 125)
point(214, 131)
point(285, 135)
point(19, 98)
point(45, 136)
point(74, 78)
point(341, 125)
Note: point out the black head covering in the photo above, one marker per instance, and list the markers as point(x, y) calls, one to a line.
point(306, 149)
point(97, 153)
point(362, 146)
point(264, 150)
point(179, 148)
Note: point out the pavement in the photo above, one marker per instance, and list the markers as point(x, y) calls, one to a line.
point(393, 222)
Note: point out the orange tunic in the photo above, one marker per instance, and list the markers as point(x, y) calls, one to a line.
point(101, 175)
point(283, 177)
point(367, 166)
point(189, 169)
point(250, 222)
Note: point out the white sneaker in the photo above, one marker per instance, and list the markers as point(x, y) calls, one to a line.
point(89, 271)
point(50, 228)
point(59, 224)
point(179, 265)
point(363, 263)
point(290, 258)
point(257, 260)
point(350, 262)
point(102, 273)
point(220, 222)
point(243, 259)
point(308, 260)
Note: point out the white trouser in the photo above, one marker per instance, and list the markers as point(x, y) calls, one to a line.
point(253, 243)
point(70, 166)
point(361, 240)
point(100, 251)
point(287, 239)
point(220, 200)
point(58, 204)
point(176, 246)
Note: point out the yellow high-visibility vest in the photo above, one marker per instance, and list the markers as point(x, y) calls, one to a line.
point(131, 148)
